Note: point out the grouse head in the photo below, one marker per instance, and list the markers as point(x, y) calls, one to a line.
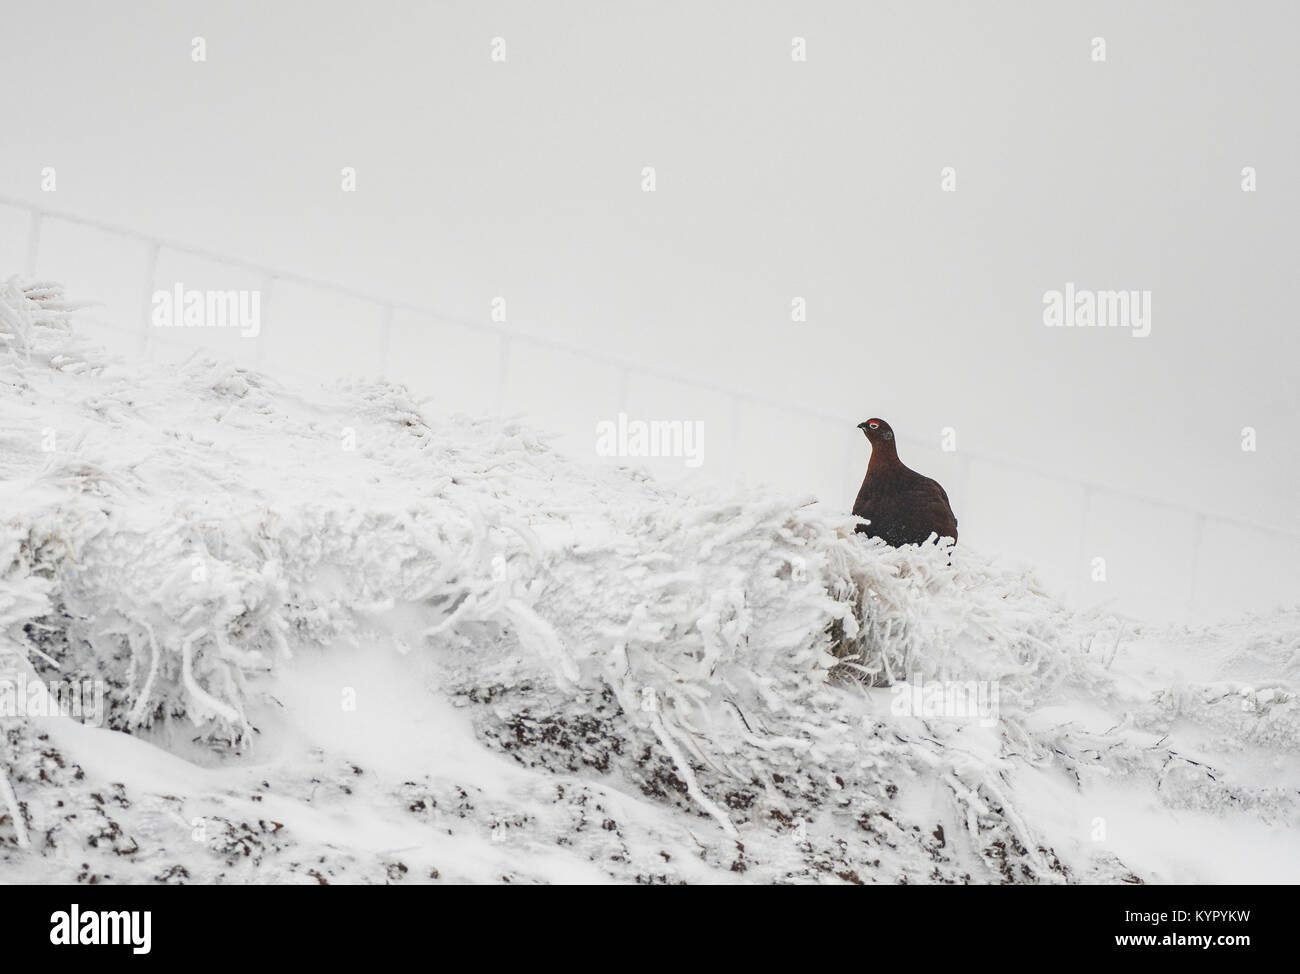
point(877, 430)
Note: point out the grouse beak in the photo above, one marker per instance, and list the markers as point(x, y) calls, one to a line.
point(863, 427)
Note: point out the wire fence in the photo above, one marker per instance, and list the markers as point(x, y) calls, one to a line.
point(1216, 562)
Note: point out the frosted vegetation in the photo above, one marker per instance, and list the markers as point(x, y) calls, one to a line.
point(348, 637)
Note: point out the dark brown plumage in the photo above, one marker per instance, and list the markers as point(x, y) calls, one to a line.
point(903, 506)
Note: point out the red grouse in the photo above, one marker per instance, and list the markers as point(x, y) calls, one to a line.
point(903, 506)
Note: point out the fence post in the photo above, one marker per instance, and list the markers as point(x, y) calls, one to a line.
point(33, 242)
point(150, 280)
point(737, 464)
point(624, 381)
point(259, 347)
point(1198, 532)
point(503, 363)
point(964, 464)
point(385, 340)
point(1081, 557)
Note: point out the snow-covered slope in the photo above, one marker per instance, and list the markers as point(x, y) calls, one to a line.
point(346, 637)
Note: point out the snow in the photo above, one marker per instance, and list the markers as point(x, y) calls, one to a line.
point(349, 637)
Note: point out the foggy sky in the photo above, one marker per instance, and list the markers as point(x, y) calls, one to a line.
point(775, 179)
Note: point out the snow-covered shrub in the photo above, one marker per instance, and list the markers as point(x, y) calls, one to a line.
point(176, 565)
point(182, 534)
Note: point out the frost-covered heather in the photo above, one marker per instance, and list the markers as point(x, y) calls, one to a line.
point(349, 637)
